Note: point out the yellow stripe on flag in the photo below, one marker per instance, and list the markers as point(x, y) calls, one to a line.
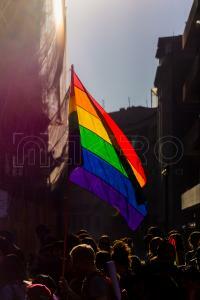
point(92, 123)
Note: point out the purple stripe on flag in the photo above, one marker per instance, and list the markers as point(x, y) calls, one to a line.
point(105, 192)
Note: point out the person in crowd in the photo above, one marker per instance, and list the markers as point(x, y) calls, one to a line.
point(165, 272)
point(90, 241)
point(153, 247)
point(44, 235)
point(129, 242)
point(155, 231)
point(176, 240)
point(160, 276)
point(93, 284)
point(194, 263)
point(136, 264)
point(104, 243)
point(7, 246)
point(147, 240)
point(50, 258)
point(197, 256)
point(194, 242)
point(38, 292)
point(121, 255)
point(48, 282)
point(102, 257)
point(12, 276)
point(166, 255)
point(48, 261)
point(152, 232)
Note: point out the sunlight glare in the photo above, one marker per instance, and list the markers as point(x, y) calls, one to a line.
point(58, 13)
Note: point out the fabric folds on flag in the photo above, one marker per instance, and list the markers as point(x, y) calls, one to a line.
point(106, 163)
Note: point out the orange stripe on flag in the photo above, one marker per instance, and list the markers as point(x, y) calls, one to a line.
point(84, 102)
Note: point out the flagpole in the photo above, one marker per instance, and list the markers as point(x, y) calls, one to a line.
point(67, 199)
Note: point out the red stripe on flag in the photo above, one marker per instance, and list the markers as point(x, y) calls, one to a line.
point(122, 141)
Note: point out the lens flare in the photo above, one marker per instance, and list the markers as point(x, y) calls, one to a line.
point(58, 13)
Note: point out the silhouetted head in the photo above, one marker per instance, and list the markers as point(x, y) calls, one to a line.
point(45, 280)
point(166, 252)
point(121, 254)
point(194, 239)
point(104, 243)
point(129, 242)
point(38, 292)
point(147, 240)
point(153, 246)
point(102, 257)
point(135, 264)
point(154, 231)
point(91, 242)
point(83, 258)
point(176, 240)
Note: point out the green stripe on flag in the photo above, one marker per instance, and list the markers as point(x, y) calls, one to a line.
point(98, 146)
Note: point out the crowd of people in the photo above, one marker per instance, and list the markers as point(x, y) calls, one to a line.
point(169, 269)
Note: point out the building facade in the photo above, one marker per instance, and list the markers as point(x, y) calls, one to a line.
point(33, 73)
point(176, 80)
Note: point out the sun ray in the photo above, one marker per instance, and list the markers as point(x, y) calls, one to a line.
point(58, 13)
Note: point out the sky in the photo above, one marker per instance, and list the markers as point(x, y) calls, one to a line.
point(112, 44)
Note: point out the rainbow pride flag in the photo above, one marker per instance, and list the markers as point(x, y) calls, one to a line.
point(107, 164)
